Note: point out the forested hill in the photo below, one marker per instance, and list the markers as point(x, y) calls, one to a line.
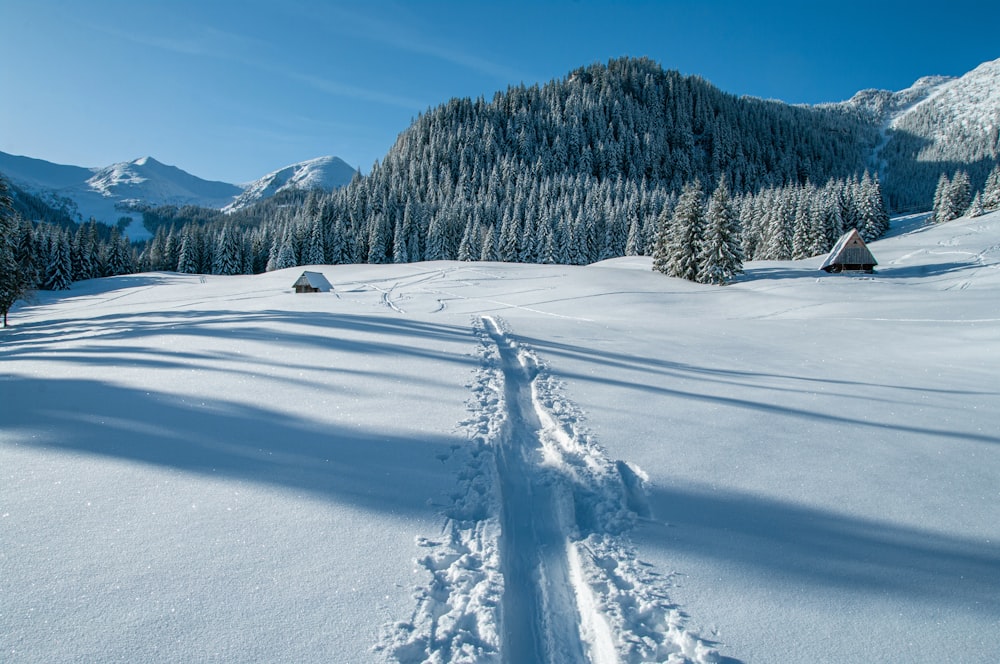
point(629, 118)
point(576, 170)
point(581, 169)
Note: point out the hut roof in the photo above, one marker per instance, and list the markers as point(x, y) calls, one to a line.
point(314, 280)
point(851, 252)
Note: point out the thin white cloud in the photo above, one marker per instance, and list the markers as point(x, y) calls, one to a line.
point(403, 37)
point(205, 41)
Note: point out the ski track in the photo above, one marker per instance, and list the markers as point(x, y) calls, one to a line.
point(533, 562)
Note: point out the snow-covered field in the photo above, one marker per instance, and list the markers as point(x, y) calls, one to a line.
point(454, 462)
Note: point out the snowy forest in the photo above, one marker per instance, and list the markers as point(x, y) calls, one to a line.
point(613, 160)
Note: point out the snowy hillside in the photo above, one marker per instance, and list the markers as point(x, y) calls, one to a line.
point(937, 125)
point(109, 193)
point(146, 180)
point(487, 462)
point(964, 107)
point(323, 173)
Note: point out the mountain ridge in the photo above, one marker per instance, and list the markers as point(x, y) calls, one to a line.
point(122, 189)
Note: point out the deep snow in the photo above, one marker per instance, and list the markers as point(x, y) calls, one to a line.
point(796, 467)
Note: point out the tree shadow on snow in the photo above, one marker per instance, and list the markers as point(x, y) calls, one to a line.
point(778, 540)
point(377, 470)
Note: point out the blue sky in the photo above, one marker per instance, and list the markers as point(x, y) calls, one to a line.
point(232, 90)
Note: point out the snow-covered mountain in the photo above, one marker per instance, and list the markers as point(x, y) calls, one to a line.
point(320, 173)
point(114, 191)
point(936, 125)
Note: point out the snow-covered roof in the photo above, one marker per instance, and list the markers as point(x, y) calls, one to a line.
point(850, 249)
point(314, 280)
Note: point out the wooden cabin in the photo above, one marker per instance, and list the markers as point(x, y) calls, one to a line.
point(850, 254)
point(312, 282)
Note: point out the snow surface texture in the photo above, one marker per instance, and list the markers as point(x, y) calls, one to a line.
point(795, 467)
point(531, 566)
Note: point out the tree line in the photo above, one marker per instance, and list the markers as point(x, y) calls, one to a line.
point(581, 169)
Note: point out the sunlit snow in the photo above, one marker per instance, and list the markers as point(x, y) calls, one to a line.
point(796, 467)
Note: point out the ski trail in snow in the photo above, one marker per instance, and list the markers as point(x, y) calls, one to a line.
point(540, 619)
point(533, 563)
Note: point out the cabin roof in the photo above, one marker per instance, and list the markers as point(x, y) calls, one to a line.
point(314, 280)
point(850, 249)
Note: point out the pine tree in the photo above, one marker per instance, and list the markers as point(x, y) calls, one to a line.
point(471, 246)
point(59, 271)
point(400, 254)
point(721, 253)
point(489, 248)
point(228, 258)
point(316, 252)
point(680, 250)
point(960, 195)
point(976, 207)
point(873, 219)
point(188, 258)
point(940, 208)
point(991, 191)
point(16, 275)
point(119, 255)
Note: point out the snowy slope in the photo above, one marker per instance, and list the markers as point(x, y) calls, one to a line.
point(108, 193)
point(320, 173)
point(457, 462)
point(936, 125)
point(146, 180)
point(964, 107)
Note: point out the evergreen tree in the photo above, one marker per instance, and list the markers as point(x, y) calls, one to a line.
point(976, 207)
point(941, 208)
point(16, 278)
point(873, 219)
point(959, 195)
point(991, 190)
point(284, 255)
point(721, 253)
point(681, 253)
point(316, 253)
point(489, 248)
point(119, 260)
point(188, 257)
point(400, 254)
point(228, 258)
point(59, 271)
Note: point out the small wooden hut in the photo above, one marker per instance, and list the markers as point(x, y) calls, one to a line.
point(850, 254)
point(312, 282)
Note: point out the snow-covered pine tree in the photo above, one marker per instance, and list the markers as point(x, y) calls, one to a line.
point(721, 253)
point(228, 258)
point(400, 254)
point(685, 235)
point(119, 259)
point(59, 272)
point(380, 239)
point(471, 246)
point(188, 260)
point(16, 273)
point(976, 207)
point(316, 251)
point(991, 190)
point(488, 251)
point(940, 208)
point(959, 195)
point(81, 254)
point(801, 237)
point(873, 220)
